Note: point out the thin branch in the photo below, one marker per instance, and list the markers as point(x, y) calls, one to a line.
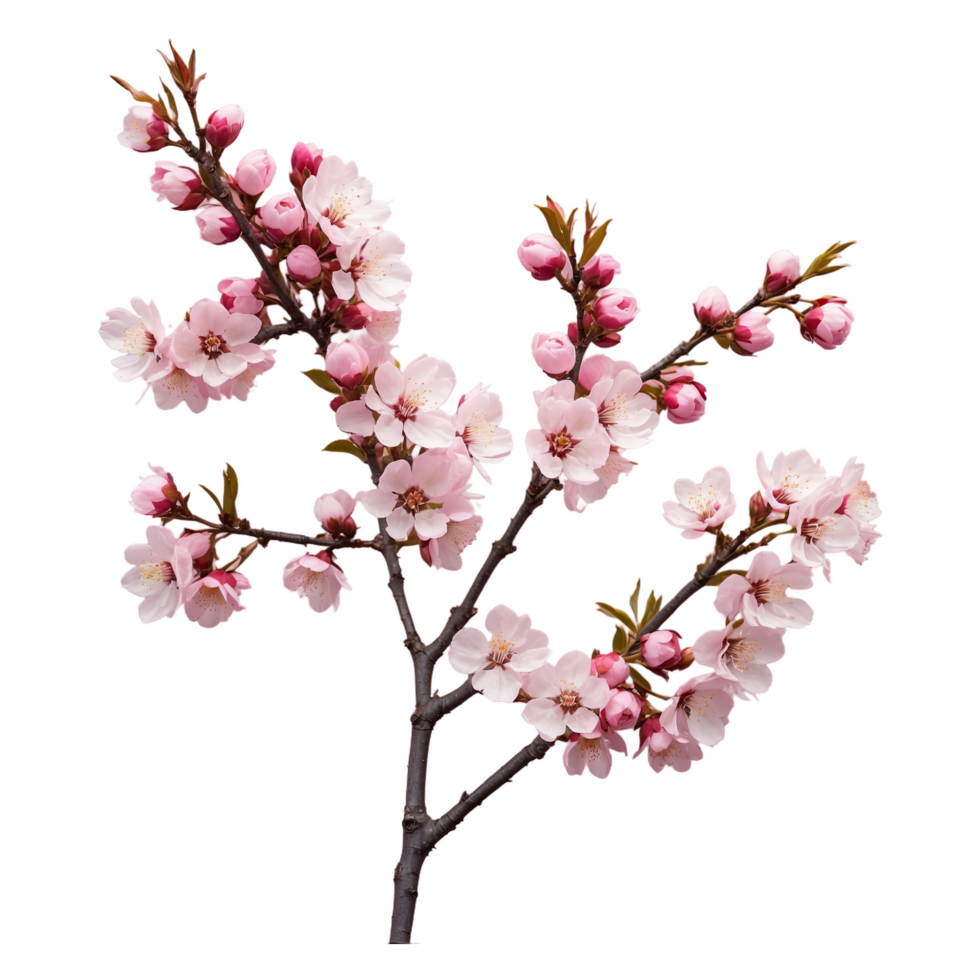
point(264, 534)
point(278, 330)
point(436, 707)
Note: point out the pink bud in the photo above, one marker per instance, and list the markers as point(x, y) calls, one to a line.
point(599, 271)
point(752, 333)
point(654, 737)
point(759, 509)
point(685, 399)
point(303, 264)
point(543, 257)
point(333, 511)
point(608, 339)
point(178, 185)
point(782, 271)
point(143, 130)
point(828, 325)
point(282, 216)
point(554, 353)
point(661, 649)
point(224, 125)
point(156, 494)
point(306, 156)
point(255, 172)
point(711, 307)
point(347, 363)
point(622, 710)
point(614, 309)
point(238, 295)
point(611, 668)
point(218, 226)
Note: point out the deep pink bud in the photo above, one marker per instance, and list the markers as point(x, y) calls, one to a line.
point(143, 130)
point(622, 710)
point(255, 172)
point(711, 307)
point(543, 257)
point(599, 271)
point(614, 309)
point(218, 226)
point(611, 668)
point(238, 295)
point(347, 363)
point(661, 649)
point(685, 399)
point(829, 324)
point(554, 353)
point(224, 125)
point(782, 271)
point(282, 215)
point(306, 156)
point(156, 494)
point(752, 332)
point(608, 339)
point(759, 510)
point(180, 186)
point(303, 264)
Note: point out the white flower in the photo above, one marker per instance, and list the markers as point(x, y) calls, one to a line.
point(341, 201)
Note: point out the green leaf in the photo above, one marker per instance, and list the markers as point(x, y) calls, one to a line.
point(170, 99)
point(556, 226)
point(721, 576)
point(635, 599)
point(823, 263)
point(620, 641)
point(595, 240)
point(231, 491)
point(640, 681)
point(614, 613)
point(652, 608)
point(322, 380)
point(721, 340)
point(211, 494)
point(346, 446)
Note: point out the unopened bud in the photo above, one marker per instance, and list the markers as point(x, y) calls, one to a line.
point(759, 510)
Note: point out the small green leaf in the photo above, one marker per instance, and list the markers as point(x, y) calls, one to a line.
point(721, 340)
point(620, 641)
point(556, 226)
point(231, 491)
point(170, 99)
point(346, 446)
point(721, 576)
point(652, 608)
point(217, 503)
point(635, 599)
point(614, 613)
point(640, 681)
point(595, 240)
point(322, 380)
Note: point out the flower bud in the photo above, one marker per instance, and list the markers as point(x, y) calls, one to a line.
point(282, 216)
point(255, 172)
point(347, 363)
point(599, 271)
point(143, 130)
point(828, 324)
point(711, 307)
point(180, 186)
point(611, 668)
point(224, 125)
point(156, 494)
point(614, 309)
point(782, 271)
point(543, 257)
point(759, 509)
point(218, 225)
point(622, 709)
point(333, 511)
point(661, 649)
point(685, 400)
point(306, 156)
point(608, 339)
point(238, 295)
point(687, 658)
point(752, 332)
point(303, 264)
point(554, 353)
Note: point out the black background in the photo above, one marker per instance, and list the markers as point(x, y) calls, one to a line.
point(253, 775)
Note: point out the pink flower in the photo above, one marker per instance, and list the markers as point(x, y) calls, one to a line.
point(625, 413)
point(752, 332)
point(741, 655)
point(224, 125)
point(701, 505)
point(372, 265)
point(255, 172)
point(178, 185)
point(135, 334)
point(820, 528)
point(172, 385)
point(699, 710)
point(611, 667)
point(341, 202)
point(214, 344)
point(599, 271)
point(570, 442)
point(760, 596)
point(335, 512)
point(156, 494)
point(406, 489)
point(242, 384)
point(711, 307)
point(303, 264)
point(782, 271)
point(614, 309)
point(282, 216)
point(544, 258)
point(317, 578)
point(218, 225)
point(861, 505)
point(143, 130)
point(212, 599)
point(867, 535)
point(477, 423)
point(238, 295)
point(792, 477)
point(685, 400)
point(382, 325)
point(446, 551)
point(661, 649)
point(592, 750)
point(665, 750)
point(306, 156)
point(827, 324)
point(577, 496)
point(554, 353)
point(564, 695)
point(347, 363)
point(497, 663)
point(621, 710)
point(161, 570)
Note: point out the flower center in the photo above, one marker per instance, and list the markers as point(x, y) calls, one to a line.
point(561, 443)
point(812, 528)
point(696, 704)
point(479, 430)
point(213, 345)
point(741, 653)
point(413, 499)
point(500, 650)
point(768, 591)
point(209, 598)
point(614, 411)
point(138, 340)
point(568, 700)
point(155, 573)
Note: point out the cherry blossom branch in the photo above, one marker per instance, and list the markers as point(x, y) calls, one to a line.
point(436, 707)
